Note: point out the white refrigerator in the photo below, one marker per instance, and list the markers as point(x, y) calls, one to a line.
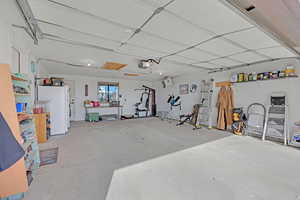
point(59, 107)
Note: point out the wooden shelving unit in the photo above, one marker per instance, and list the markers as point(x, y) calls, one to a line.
point(26, 123)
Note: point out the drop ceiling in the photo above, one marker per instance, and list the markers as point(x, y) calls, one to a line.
point(187, 36)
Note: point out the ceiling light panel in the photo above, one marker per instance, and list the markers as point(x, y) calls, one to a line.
point(253, 39)
point(208, 65)
point(220, 47)
point(248, 57)
point(175, 29)
point(197, 54)
point(59, 15)
point(210, 14)
point(156, 43)
point(225, 62)
point(276, 52)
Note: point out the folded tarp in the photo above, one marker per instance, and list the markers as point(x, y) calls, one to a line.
point(10, 150)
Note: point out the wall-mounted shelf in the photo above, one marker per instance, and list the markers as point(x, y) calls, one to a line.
point(20, 94)
point(26, 122)
point(289, 77)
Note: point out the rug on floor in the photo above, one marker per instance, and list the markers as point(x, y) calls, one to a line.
point(48, 156)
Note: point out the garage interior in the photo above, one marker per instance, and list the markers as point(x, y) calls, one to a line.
point(149, 99)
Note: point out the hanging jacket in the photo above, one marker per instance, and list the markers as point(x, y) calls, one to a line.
point(222, 104)
point(10, 150)
point(225, 105)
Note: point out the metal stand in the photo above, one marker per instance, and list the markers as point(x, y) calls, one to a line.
point(276, 127)
point(256, 116)
point(205, 111)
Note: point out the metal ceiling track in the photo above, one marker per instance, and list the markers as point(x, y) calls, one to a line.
point(65, 41)
point(205, 41)
point(157, 11)
point(250, 64)
point(138, 30)
point(32, 26)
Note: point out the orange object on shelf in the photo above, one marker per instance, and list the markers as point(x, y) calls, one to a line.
point(40, 121)
point(23, 116)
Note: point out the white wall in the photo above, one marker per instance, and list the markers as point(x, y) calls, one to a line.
point(127, 90)
point(5, 45)
point(244, 93)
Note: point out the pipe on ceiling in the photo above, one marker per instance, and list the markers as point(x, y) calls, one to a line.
point(157, 11)
point(29, 19)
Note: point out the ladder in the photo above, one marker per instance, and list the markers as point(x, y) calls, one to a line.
point(276, 123)
point(205, 111)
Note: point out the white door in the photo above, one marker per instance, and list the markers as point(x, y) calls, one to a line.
point(72, 100)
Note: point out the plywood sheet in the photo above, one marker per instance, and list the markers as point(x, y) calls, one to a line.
point(113, 66)
point(12, 180)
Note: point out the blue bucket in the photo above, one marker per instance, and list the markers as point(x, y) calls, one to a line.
point(20, 107)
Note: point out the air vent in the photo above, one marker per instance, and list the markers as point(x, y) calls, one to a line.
point(250, 8)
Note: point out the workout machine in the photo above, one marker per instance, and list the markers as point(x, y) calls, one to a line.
point(205, 110)
point(144, 105)
point(190, 118)
point(174, 101)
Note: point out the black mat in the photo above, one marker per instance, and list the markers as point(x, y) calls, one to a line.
point(48, 156)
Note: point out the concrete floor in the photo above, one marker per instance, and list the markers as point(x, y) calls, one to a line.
point(90, 154)
point(234, 168)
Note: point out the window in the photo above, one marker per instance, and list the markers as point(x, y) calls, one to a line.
point(108, 92)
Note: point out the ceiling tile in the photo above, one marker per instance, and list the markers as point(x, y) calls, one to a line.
point(225, 62)
point(145, 53)
point(253, 39)
point(248, 57)
point(181, 59)
point(220, 47)
point(46, 11)
point(123, 12)
point(197, 54)
point(168, 26)
point(210, 14)
point(79, 37)
point(277, 52)
point(159, 44)
point(207, 65)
